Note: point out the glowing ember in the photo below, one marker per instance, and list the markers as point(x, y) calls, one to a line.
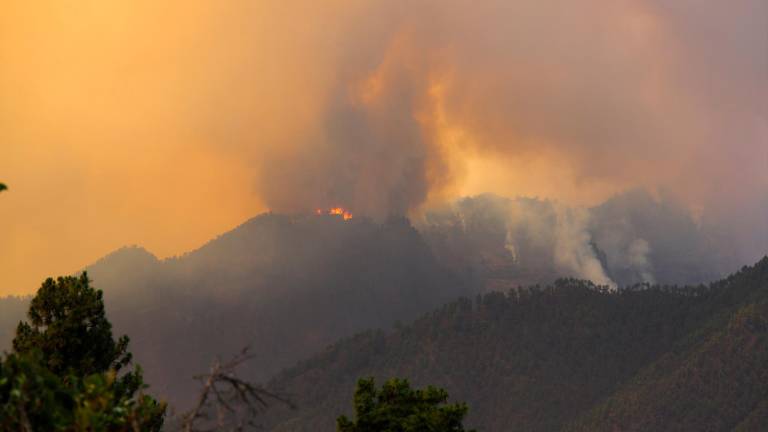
point(335, 211)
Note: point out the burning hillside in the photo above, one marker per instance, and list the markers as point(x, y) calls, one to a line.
point(335, 211)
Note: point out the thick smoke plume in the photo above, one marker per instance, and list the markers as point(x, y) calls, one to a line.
point(208, 112)
point(629, 239)
point(598, 96)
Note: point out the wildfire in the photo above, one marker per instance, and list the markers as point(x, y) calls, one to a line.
point(335, 211)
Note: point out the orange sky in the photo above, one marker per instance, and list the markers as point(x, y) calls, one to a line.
point(166, 123)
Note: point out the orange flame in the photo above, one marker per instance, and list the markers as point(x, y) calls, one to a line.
point(335, 211)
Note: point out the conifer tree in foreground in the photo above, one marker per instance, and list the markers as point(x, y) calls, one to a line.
point(396, 407)
point(65, 371)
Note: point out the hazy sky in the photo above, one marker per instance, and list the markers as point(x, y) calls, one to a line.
point(164, 123)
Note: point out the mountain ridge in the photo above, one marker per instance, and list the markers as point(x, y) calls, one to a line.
point(571, 356)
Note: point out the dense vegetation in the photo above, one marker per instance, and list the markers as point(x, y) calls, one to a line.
point(287, 286)
point(68, 326)
point(65, 371)
point(12, 310)
point(716, 379)
point(291, 285)
point(569, 356)
point(396, 407)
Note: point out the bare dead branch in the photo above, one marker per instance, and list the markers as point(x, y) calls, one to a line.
point(235, 401)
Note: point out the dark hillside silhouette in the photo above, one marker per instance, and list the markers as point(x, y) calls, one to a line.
point(288, 286)
point(569, 356)
point(291, 285)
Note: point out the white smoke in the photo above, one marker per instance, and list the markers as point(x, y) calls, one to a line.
point(631, 238)
point(638, 258)
point(573, 251)
point(536, 235)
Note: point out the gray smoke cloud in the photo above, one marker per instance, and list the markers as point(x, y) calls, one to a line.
point(220, 110)
point(611, 95)
point(631, 238)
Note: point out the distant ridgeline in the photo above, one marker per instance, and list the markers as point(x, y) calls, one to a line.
point(569, 357)
point(289, 286)
point(631, 238)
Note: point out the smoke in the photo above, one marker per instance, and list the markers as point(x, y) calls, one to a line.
point(574, 101)
point(553, 237)
point(637, 258)
point(373, 153)
point(207, 112)
point(573, 248)
point(540, 237)
point(631, 238)
point(613, 94)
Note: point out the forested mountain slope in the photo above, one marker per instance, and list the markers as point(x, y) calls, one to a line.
point(567, 357)
point(287, 286)
point(290, 285)
point(717, 380)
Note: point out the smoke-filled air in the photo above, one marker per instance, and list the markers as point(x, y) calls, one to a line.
point(384, 215)
point(167, 124)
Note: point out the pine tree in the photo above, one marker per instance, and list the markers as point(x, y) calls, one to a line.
point(68, 325)
point(399, 408)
